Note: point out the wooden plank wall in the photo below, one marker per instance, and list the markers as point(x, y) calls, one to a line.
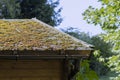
point(31, 70)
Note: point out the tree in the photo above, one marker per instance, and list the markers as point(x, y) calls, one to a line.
point(9, 9)
point(76, 33)
point(102, 50)
point(108, 17)
point(85, 72)
point(44, 10)
point(41, 9)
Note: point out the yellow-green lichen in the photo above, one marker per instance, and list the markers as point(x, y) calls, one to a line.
point(29, 34)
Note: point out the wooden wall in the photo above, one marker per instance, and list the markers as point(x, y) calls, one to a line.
point(31, 70)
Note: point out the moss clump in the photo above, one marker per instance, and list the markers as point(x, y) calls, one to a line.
point(29, 34)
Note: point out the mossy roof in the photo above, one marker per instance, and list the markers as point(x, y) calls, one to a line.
point(32, 34)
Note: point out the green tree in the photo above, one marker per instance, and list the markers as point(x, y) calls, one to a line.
point(85, 72)
point(45, 10)
point(41, 9)
point(9, 9)
point(76, 33)
point(108, 17)
point(102, 50)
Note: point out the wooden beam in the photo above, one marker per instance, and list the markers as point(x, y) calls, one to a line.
point(46, 52)
point(37, 57)
point(65, 69)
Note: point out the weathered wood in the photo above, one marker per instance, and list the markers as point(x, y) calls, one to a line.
point(65, 69)
point(46, 52)
point(31, 70)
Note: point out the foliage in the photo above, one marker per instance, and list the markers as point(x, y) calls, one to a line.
point(108, 17)
point(44, 10)
point(9, 8)
point(113, 38)
point(98, 59)
point(113, 63)
point(76, 33)
point(85, 72)
point(102, 50)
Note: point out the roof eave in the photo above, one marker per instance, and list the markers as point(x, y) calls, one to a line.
point(29, 54)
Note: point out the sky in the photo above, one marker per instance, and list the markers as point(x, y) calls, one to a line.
point(72, 15)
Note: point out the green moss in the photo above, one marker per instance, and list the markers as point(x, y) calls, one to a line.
point(28, 34)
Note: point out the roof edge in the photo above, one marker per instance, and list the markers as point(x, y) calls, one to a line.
point(82, 42)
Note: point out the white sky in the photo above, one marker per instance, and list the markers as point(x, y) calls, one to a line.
point(72, 15)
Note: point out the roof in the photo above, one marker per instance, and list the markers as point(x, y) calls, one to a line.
point(33, 34)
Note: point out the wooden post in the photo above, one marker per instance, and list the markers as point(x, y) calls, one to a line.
point(69, 72)
point(65, 69)
point(74, 69)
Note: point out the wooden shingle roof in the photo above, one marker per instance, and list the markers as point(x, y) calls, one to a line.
point(32, 34)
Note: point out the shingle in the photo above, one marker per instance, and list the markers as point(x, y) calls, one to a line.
point(32, 34)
